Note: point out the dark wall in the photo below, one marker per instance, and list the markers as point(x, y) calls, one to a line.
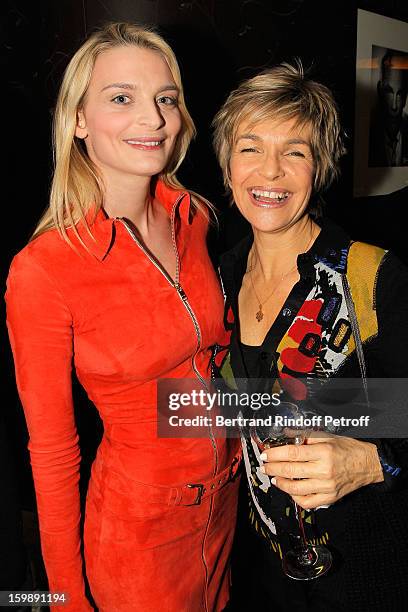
point(218, 43)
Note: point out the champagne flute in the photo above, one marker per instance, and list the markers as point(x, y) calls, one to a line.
point(305, 561)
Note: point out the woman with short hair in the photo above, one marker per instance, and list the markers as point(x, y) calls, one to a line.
point(310, 305)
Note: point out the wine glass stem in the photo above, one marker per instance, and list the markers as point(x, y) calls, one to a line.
point(298, 511)
point(300, 439)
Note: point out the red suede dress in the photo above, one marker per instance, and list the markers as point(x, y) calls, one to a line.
point(123, 324)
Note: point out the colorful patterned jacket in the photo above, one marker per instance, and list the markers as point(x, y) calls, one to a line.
point(312, 341)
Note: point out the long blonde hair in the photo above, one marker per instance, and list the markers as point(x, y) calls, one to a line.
point(76, 183)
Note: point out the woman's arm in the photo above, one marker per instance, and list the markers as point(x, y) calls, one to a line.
point(389, 356)
point(40, 330)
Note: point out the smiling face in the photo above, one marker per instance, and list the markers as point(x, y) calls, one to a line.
point(130, 119)
point(271, 173)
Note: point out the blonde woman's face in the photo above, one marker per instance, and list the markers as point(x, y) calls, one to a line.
point(130, 120)
point(271, 173)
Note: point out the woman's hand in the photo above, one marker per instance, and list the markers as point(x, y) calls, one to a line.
point(330, 467)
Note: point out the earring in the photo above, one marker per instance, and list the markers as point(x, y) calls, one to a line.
point(81, 125)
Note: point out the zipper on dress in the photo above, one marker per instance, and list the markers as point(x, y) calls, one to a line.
point(182, 293)
point(183, 296)
point(198, 332)
point(174, 283)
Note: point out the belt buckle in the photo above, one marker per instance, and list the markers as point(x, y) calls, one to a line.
point(200, 491)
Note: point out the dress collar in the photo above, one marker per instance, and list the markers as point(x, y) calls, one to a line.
point(169, 196)
point(103, 227)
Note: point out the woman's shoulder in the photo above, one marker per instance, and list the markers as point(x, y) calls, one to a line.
point(42, 243)
point(364, 260)
point(392, 278)
point(379, 269)
point(363, 254)
point(48, 254)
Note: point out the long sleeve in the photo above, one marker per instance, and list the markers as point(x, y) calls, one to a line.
point(389, 354)
point(40, 330)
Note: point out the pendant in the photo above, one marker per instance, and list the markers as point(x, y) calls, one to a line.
point(259, 314)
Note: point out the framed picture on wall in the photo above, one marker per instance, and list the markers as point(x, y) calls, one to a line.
point(381, 119)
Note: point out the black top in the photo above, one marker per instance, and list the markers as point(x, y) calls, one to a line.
point(252, 357)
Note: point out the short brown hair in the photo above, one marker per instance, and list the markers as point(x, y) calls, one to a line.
point(284, 92)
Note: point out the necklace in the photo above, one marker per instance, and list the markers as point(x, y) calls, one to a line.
point(260, 315)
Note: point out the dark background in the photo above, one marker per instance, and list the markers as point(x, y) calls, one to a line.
point(218, 43)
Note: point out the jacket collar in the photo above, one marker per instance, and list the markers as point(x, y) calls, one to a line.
point(102, 227)
point(330, 248)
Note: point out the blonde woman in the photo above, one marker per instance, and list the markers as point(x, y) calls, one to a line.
point(116, 282)
point(311, 305)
